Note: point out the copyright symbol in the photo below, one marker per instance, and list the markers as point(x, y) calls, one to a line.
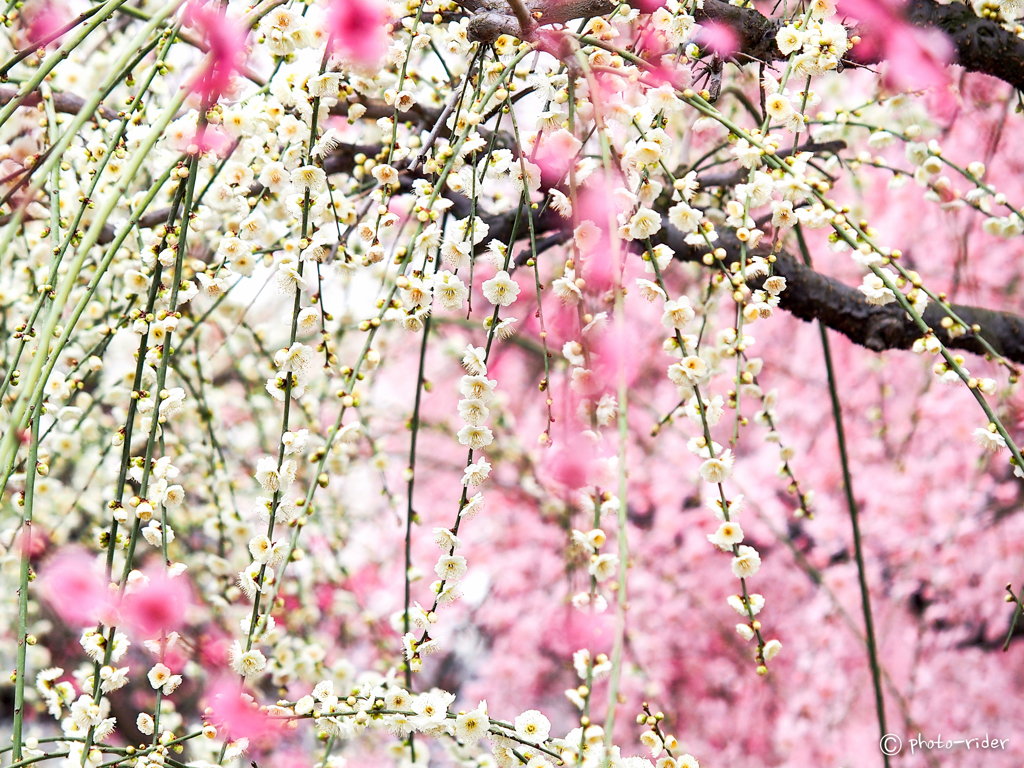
point(891, 744)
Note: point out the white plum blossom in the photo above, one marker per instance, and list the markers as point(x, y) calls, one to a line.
point(501, 289)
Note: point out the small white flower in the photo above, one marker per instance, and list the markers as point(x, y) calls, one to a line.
point(145, 724)
point(295, 358)
point(295, 442)
point(475, 474)
point(746, 563)
point(472, 726)
point(690, 370)
point(533, 727)
point(473, 412)
point(603, 567)
point(451, 292)
point(727, 535)
point(450, 567)
point(756, 604)
point(989, 439)
point(475, 437)
point(718, 469)
point(678, 313)
point(309, 177)
point(644, 223)
point(474, 505)
point(474, 360)
point(650, 290)
point(246, 663)
point(789, 39)
point(501, 289)
point(875, 291)
point(158, 676)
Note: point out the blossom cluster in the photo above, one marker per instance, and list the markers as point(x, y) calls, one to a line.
point(257, 370)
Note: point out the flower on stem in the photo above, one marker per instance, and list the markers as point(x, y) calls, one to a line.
point(475, 437)
point(533, 727)
point(746, 562)
point(501, 289)
point(989, 439)
point(772, 649)
point(451, 567)
point(249, 663)
point(271, 478)
point(603, 567)
point(875, 290)
point(472, 726)
point(474, 413)
point(728, 535)
point(717, 469)
point(678, 312)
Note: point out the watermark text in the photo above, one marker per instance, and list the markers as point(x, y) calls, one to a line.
point(891, 744)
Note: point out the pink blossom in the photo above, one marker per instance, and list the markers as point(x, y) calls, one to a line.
point(597, 204)
point(31, 541)
point(916, 58)
point(75, 586)
point(234, 712)
point(211, 138)
point(159, 606)
point(719, 38)
point(43, 19)
point(225, 41)
point(357, 28)
point(555, 153)
point(615, 352)
point(570, 464)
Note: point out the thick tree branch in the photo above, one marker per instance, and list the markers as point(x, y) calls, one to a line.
point(740, 175)
point(755, 31)
point(68, 103)
point(982, 45)
point(811, 295)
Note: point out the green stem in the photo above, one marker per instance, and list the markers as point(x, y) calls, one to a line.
point(851, 505)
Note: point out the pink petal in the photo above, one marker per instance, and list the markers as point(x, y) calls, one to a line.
point(157, 607)
point(75, 587)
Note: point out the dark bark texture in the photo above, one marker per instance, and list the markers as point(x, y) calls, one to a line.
point(982, 45)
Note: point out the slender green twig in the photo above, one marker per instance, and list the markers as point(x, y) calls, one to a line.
point(851, 505)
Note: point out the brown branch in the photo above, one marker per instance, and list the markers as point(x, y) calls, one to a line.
point(982, 45)
point(68, 103)
point(756, 32)
point(811, 295)
point(740, 175)
point(494, 18)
